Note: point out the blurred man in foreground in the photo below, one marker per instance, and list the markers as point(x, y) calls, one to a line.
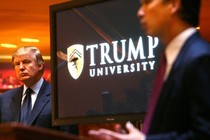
point(179, 107)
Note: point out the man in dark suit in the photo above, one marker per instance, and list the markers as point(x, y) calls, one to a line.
point(182, 108)
point(29, 67)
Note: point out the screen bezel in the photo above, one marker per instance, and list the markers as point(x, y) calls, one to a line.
point(81, 119)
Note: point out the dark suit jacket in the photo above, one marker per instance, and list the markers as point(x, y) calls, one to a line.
point(183, 109)
point(10, 103)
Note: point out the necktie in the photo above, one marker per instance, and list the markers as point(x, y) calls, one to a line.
point(159, 80)
point(26, 107)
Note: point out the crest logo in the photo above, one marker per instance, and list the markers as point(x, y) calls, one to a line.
point(75, 60)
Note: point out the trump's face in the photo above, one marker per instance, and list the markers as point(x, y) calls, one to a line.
point(26, 67)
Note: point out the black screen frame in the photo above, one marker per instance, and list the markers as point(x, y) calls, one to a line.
point(80, 119)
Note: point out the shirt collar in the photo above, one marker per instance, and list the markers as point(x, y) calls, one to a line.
point(176, 44)
point(36, 87)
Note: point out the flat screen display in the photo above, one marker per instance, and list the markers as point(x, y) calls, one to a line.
point(103, 63)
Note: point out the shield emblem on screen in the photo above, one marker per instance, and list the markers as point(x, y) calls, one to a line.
point(75, 58)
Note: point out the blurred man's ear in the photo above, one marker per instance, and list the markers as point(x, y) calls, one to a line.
point(175, 6)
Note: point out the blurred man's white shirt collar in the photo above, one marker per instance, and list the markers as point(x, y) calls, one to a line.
point(174, 47)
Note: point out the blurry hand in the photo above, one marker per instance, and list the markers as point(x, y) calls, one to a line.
point(104, 134)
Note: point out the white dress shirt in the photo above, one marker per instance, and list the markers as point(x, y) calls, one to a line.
point(36, 88)
point(174, 47)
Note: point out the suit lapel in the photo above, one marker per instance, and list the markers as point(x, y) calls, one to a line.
point(42, 99)
point(178, 66)
point(170, 82)
point(183, 56)
point(16, 103)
